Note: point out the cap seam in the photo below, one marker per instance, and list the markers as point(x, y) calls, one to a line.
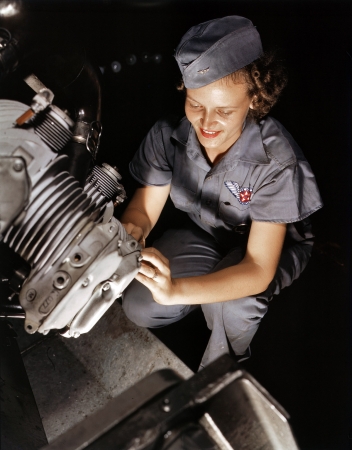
point(217, 43)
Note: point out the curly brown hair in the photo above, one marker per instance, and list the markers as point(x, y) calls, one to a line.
point(265, 78)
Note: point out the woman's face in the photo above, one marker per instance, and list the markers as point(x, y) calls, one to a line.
point(217, 112)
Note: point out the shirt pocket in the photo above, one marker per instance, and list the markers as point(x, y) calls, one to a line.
point(183, 198)
point(235, 215)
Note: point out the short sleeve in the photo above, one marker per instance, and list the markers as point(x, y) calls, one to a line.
point(150, 165)
point(289, 195)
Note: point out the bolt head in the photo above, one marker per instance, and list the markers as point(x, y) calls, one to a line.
point(106, 287)
point(18, 165)
point(31, 294)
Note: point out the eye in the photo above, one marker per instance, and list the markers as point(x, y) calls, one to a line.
point(225, 113)
point(193, 104)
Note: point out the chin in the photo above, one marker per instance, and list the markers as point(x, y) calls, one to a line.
point(208, 142)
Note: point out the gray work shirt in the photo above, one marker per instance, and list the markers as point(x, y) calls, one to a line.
point(264, 176)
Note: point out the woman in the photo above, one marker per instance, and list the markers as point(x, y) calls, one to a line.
point(242, 180)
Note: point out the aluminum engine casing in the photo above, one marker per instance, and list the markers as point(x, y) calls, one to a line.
point(81, 257)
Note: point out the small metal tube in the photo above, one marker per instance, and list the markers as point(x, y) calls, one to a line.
point(85, 95)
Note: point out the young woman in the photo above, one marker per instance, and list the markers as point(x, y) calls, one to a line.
point(242, 180)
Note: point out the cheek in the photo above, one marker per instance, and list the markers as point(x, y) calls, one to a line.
point(235, 125)
point(242, 115)
point(191, 115)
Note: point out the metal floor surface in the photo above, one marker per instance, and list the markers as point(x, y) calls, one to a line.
point(300, 355)
point(72, 378)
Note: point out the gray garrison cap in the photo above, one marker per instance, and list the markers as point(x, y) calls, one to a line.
point(211, 50)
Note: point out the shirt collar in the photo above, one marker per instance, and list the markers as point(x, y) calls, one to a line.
point(181, 132)
point(248, 148)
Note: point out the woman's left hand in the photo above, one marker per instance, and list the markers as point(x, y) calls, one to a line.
point(155, 274)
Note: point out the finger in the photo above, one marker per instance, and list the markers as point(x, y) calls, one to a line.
point(153, 287)
point(128, 227)
point(153, 255)
point(156, 264)
point(135, 231)
point(148, 271)
point(146, 281)
point(142, 241)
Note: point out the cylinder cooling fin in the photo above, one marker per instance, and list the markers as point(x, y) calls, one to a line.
point(80, 257)
point(57, 207)
point(54, 132)
point(105, 181)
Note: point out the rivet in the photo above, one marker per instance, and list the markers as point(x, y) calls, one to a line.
point(85, 282)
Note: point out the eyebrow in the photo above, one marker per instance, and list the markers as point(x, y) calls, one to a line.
point(223, 107)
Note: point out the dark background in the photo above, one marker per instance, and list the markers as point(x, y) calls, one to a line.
point(301, 354)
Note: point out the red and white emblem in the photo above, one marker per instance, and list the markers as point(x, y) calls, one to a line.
point(243, 194)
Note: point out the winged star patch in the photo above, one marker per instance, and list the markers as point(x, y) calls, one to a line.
point(243, 194)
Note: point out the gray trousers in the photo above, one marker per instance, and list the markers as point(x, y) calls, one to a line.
point(193, 252)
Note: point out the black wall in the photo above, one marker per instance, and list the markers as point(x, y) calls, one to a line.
point(302, 351)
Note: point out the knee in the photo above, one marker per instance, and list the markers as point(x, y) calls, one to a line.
point(242, 313)
point(136, 306)
point(140, 307)
point(249, 309)
point(139, 314)
point(136, 315)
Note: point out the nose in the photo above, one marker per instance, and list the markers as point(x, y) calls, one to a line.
point(207, 119)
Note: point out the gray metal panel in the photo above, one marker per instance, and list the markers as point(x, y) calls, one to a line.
point(115, 411)
point(73, 378)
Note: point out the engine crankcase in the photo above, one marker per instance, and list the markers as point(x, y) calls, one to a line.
point(102, 257)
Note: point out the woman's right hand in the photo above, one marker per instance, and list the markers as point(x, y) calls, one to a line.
point(136, 232)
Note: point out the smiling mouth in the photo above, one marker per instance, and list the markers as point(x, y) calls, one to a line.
point(209, 134)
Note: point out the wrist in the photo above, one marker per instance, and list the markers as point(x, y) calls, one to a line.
point(178, 296)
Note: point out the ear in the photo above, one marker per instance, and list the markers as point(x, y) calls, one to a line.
point(254, 99)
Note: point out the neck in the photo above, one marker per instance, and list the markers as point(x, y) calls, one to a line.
point(214, 155)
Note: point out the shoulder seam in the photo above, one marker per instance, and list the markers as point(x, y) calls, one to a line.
point(288, 162)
